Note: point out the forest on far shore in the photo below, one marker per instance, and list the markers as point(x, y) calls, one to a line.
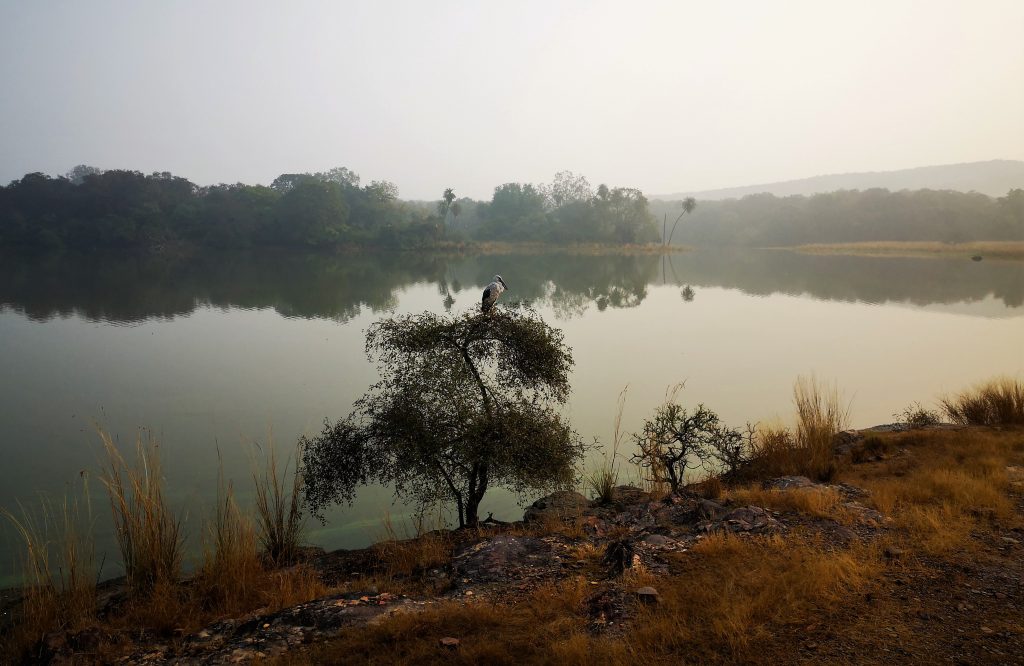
point(91, 208)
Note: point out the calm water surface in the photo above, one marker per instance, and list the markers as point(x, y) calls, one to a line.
point(226, 351)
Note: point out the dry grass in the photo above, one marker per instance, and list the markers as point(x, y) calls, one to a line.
point(58, 568)
point(148, 533)
point(405, 557)
point(602, 481)
point(278, 509)
point(998, 401)
point(721, 603)
point(993, 249)
point(805, 449)
point(948, 483)
point(817, 502)
point(231, 560)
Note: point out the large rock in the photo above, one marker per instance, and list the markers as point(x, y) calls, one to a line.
point(503, 557)
point(561, 505)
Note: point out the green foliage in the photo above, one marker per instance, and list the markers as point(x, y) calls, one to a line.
point(465, 402)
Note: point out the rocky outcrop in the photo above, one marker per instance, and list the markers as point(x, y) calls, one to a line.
point(559, 505)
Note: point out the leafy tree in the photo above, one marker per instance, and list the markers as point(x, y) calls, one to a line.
point(465, 402)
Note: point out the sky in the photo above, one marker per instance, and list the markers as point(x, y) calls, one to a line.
point(663, 96)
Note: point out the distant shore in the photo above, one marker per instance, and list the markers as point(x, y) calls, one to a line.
point(983, 249)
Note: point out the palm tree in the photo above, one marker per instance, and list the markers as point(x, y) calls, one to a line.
point(689, 203)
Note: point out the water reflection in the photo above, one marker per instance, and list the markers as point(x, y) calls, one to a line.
point(129, 289)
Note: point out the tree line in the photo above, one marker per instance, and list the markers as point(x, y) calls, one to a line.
point(844, 216)
point(90, 208)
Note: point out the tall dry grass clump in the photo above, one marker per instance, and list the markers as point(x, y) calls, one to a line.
point(820, 415)
point(403, 557)
point(998, 401)
point(58, 571)
point(279, 509)
point(603, 480)
point(148, 534)
point(806, 449)
point(232, 569)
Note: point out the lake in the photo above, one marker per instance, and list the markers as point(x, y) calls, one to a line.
point(224, 351)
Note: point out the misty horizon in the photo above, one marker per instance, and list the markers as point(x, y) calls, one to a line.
point(663, 97)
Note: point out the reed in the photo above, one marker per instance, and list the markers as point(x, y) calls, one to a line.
point(148, 534)
point(279, 509)
point(58, 568)
point(603, 480)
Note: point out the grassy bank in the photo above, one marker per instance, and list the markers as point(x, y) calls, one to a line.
point(984, 249)
point(833, 581)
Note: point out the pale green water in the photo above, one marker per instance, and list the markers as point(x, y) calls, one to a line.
point(216, 350)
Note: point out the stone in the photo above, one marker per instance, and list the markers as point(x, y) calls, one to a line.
point(745, 519)
point(658, 540)
point(892, 552)
point(561, 504)
point(449, 642)
point(787, 483)
point(648, 595)
point(711, 510)
point(500, 558)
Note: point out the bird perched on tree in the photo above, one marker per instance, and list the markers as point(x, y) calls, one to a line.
point(492, 291)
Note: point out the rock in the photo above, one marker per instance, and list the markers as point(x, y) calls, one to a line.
point(500, 558)
point(630, 495)
point(562, 504)
point(987, 631)
point(745, 519)
point(658, 540)
point(648, 595)
point(787, 483)
point(843, 442)
point(449, 642)
point(711, 510)
point(976, 257)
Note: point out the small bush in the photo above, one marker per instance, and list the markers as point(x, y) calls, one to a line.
point(915, 417)
point(996, 402)
point(602, 482)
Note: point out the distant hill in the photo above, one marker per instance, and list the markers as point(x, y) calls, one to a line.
point(994, 178)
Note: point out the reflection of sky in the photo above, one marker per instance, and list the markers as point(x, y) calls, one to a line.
point(223, 376)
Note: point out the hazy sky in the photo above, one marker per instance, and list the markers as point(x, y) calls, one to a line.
point(665, 96)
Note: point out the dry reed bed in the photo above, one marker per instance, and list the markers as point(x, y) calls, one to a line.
point(990, 249)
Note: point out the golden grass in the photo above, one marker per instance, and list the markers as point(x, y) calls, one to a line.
point(817, 502)
point(405, 557)
point(998, 401)
point(806, 449)
point(948, 483)
point(148, 534)
point(720, 604)
point(58, 569)
point(993, 249)
point(278, 508)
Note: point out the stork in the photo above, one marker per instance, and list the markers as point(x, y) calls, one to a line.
point(492, 291)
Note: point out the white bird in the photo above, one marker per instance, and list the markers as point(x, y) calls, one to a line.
point(492, 291)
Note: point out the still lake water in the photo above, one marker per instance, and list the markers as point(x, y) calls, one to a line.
point(218, 350)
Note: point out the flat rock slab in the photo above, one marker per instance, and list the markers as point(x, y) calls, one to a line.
point(744, 519)
point(503, 557)
point(562, 504)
